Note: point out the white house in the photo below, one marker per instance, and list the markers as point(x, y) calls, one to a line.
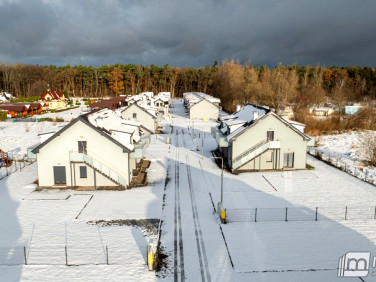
point(201, 106)
point(204, 109)
point(97, 150)
point(137, 113)
point(255, 138)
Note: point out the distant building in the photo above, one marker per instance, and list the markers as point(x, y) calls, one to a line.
point(137, 113)
point(321, 111)
point(201, 106)
point(53, 99)
point(352, 109)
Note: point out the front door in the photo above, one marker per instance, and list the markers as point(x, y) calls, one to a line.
point(59, 175)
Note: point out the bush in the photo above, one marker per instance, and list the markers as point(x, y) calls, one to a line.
point(52, 110)
point(48, 119)
point(27, 99)
point(3, 115)
point(87, 103)
point(59, 119)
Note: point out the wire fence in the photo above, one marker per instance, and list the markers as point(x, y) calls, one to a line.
point(301, 214)
point(367, 175)
point(64, 255)
point(17, 165)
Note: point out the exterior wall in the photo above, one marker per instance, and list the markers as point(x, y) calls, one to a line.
point(291, 142)
point(98, 147)
point(89, 181)
point(203, 110)
point(144, 118)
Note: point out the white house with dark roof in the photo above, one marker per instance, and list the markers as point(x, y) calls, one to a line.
point(137, 113)
point(98, 149)
point(255, 138)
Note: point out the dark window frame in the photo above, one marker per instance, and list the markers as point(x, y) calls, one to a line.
point(288, 160)
point(83, 171)
point(270, 135)
point(82, 147)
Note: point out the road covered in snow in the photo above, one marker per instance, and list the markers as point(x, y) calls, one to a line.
point(283, 226)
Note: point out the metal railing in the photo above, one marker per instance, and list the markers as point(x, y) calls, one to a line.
point(301, 214)
point(97, 165)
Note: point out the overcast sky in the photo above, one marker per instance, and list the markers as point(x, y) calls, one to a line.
point(188, 33)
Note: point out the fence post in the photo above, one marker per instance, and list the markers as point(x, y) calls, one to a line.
point(365, 177)
point(346, 214)
point(374, 217)
point(256, 215)
point(25, 255)
point(107, 254)
point(66, 256)
point(316, 214)
point(286, 215)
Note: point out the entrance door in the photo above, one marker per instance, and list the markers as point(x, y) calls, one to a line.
point(59, 175)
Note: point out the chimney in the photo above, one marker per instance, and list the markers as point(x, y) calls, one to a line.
point(255, 115)
point(238, 107)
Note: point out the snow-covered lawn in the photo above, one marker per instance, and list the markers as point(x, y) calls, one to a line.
point(347, 152)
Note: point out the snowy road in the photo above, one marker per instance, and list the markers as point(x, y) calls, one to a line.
point(197, 246)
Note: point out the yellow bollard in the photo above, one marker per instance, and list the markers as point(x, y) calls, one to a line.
point(168, 140)
point(151, 261)
point(223, 215)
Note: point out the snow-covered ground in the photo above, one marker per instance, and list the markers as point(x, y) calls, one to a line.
point(197, 245)
point(346, 152)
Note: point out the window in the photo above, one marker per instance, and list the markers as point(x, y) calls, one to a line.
point(270, 135)
point(269, 156)
point(59, 175)
point(134, 115)
point(288, 160)
point(83, 172)
point(82, 147)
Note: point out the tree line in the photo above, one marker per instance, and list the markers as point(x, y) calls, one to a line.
point(231, 81)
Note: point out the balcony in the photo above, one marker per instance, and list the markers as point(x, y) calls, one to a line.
point(139, 149)
point(219, 137)
point(274, 144)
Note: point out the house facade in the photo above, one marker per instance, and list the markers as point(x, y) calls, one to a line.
point(255, 138)
point(95, 150)
point(137, 113)
point(53, 99)
point(204, 109)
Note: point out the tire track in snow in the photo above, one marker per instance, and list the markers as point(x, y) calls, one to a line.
point(198, 232)
point(177, 221)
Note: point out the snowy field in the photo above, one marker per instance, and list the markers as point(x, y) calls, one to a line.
point(198, 247)
point(345, 151)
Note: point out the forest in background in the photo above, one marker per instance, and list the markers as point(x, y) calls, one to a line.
point(232, 82)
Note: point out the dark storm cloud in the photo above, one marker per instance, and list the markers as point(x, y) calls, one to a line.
point(188, 33)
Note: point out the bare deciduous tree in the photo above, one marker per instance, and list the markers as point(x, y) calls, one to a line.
point(368, 141)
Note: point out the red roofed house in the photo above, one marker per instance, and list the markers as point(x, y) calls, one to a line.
point(53, 99)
